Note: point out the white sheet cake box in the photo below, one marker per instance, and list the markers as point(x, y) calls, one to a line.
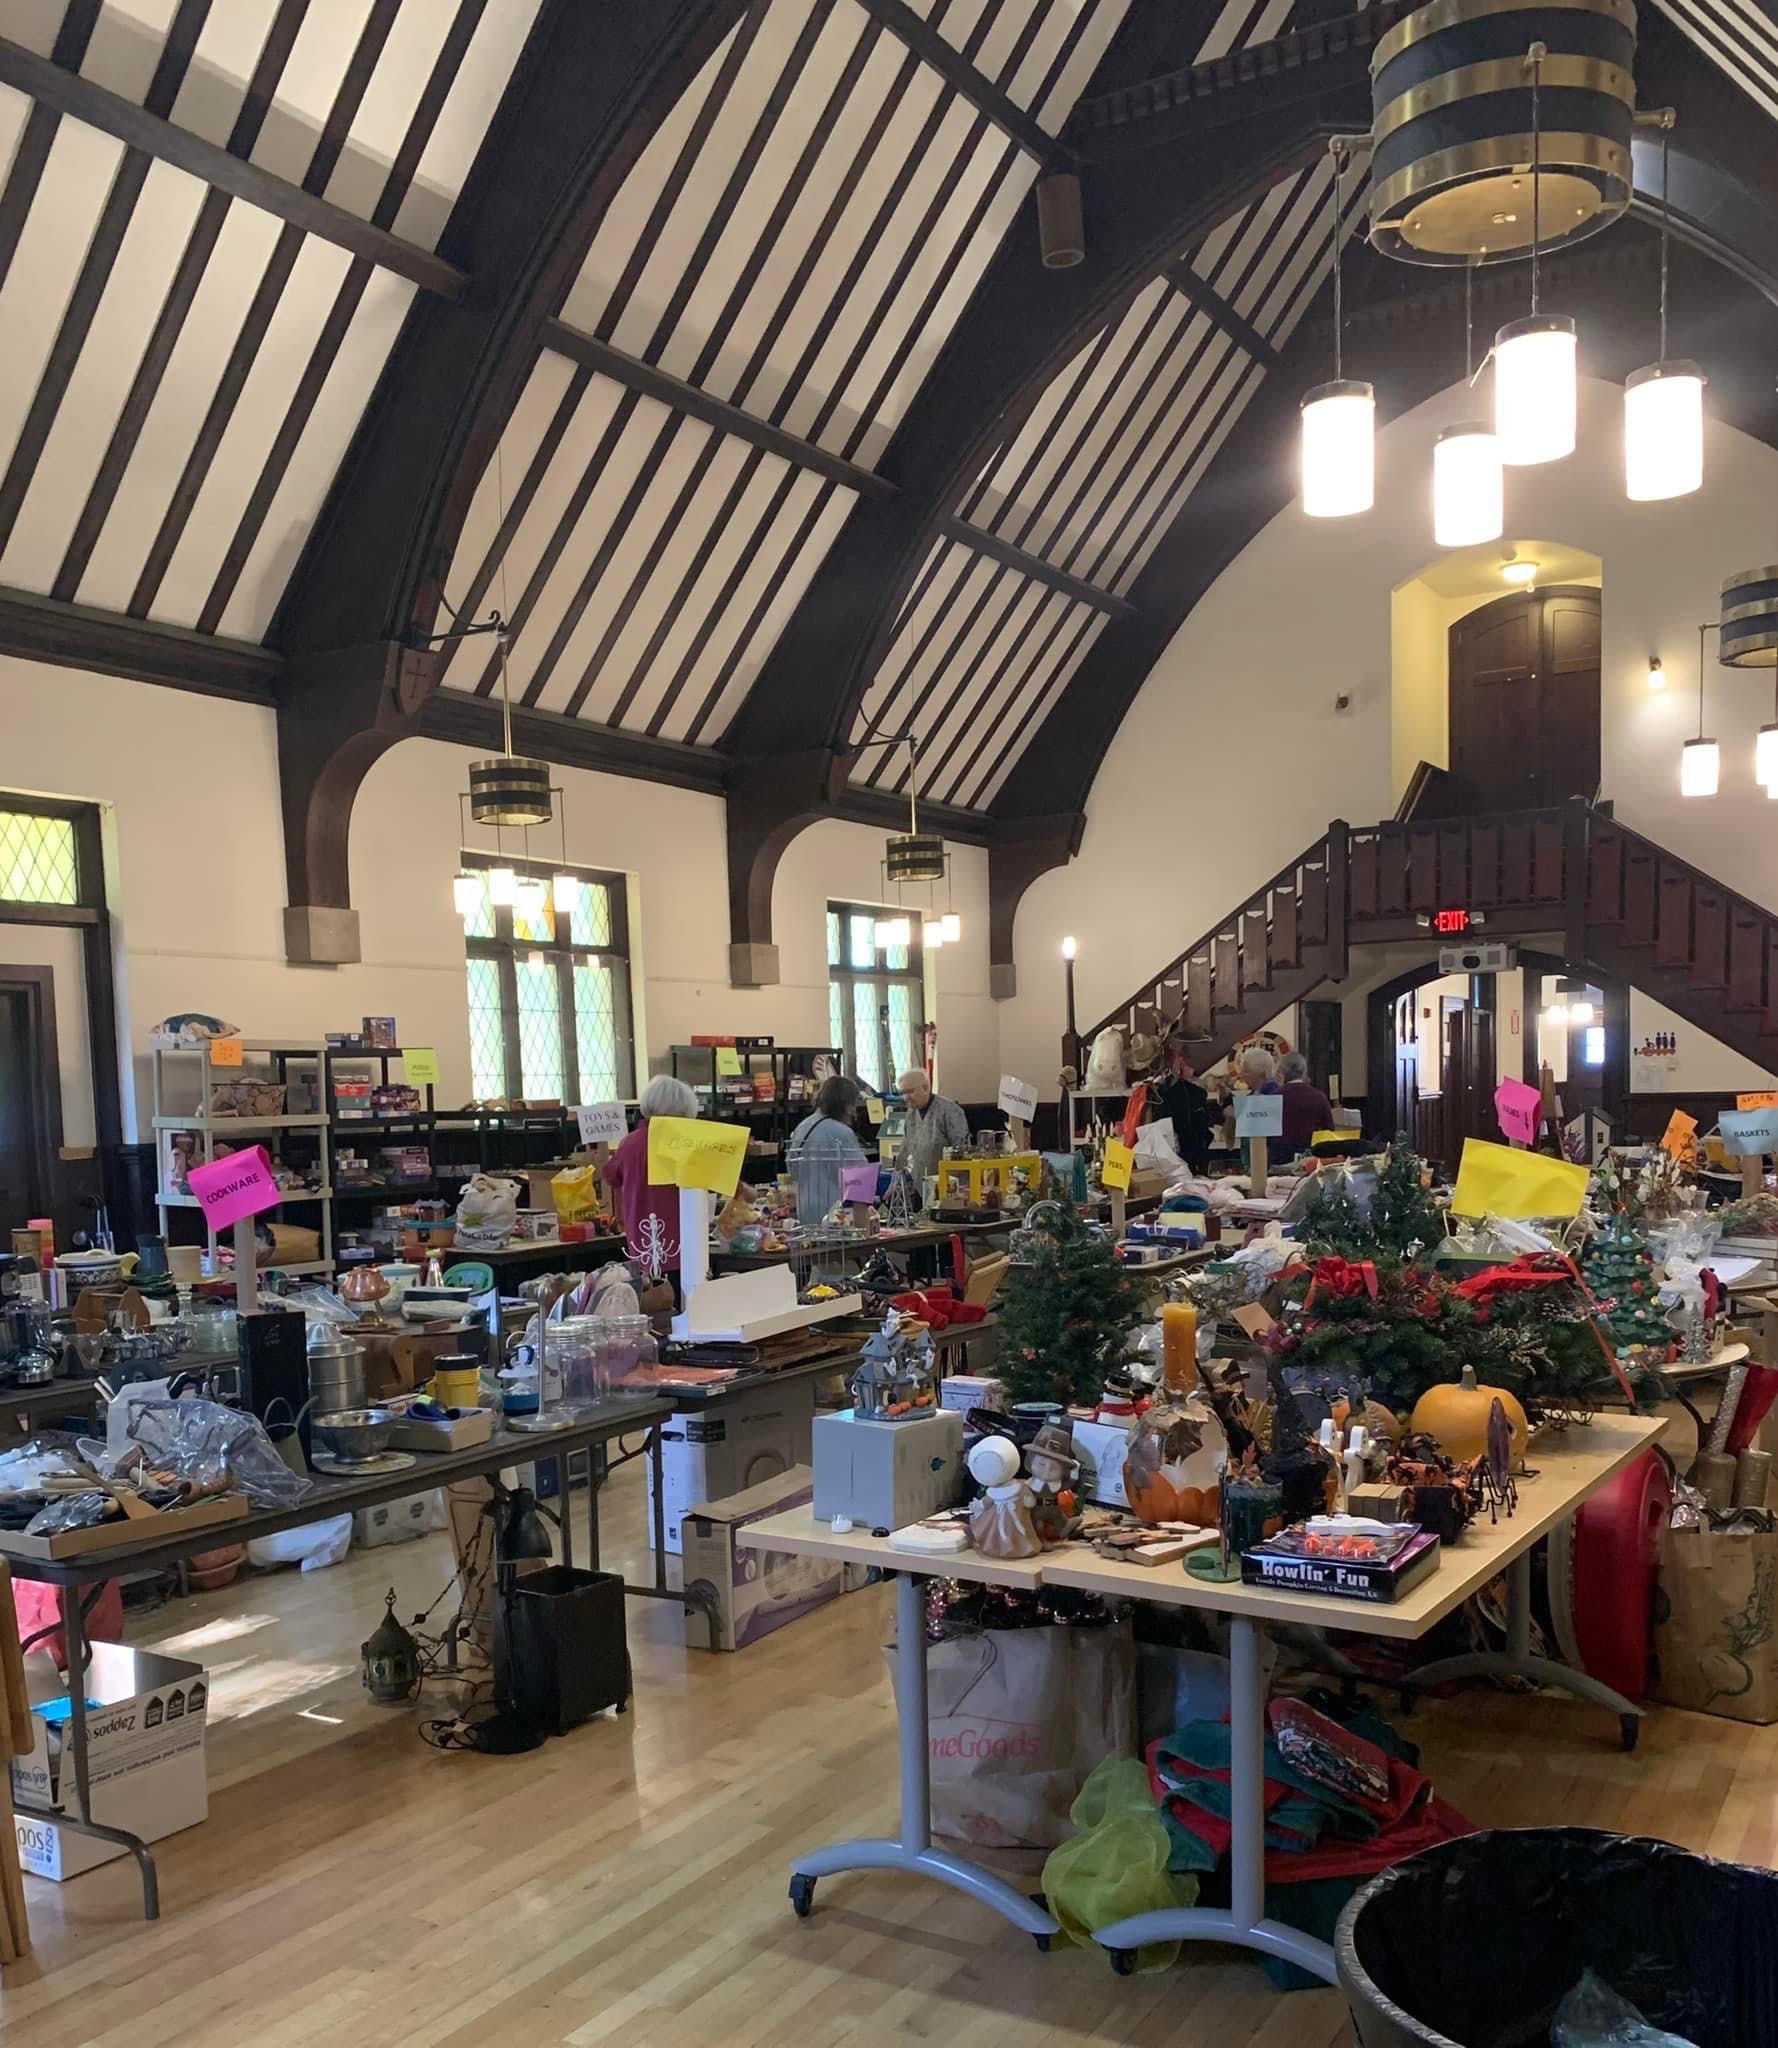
point(145, 1745)
point(965, 1390)
point(752, 1592)
point(734, 1443)
point(886, 1474)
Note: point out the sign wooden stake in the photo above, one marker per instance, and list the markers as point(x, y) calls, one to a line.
point(1258, 1162)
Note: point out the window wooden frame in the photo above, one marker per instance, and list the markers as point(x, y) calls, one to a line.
point(845, 977)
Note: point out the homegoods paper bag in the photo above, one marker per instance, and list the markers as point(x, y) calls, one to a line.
point(1018, 1717)
point(1716, 1623)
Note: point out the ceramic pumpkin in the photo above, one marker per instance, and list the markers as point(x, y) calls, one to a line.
point(1456, 1417)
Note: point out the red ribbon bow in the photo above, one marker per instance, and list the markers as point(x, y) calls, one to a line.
point(1343, 1279)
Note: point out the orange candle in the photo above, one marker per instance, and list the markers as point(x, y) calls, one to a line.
point(1179, 1346)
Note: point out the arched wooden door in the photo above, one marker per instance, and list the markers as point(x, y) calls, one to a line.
point(1524, 699)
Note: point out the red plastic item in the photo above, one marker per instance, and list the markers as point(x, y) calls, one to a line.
point(1616, 1542)
point(40, 1607)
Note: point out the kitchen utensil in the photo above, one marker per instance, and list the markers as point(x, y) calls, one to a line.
point(352, 1435)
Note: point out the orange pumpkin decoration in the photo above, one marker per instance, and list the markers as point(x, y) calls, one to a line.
point(1456, 1418)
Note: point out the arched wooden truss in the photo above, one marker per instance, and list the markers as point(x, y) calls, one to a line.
point(707, 340)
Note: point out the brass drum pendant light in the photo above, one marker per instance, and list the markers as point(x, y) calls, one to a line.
point(1750, 619)
point(510, 789)
point(1451, 127)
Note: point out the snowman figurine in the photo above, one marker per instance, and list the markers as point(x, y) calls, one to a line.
point(1000, 1523)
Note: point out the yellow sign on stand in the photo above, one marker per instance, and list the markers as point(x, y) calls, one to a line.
point(1114, 1169)
point(684, 1152)
point(1494, 1180)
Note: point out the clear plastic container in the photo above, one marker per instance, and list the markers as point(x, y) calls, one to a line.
point(625, 1344)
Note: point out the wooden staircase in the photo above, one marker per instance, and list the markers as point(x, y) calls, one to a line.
point(1598, 893)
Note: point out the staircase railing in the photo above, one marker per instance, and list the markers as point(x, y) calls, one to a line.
point(1287, 917)
point(1607, 893)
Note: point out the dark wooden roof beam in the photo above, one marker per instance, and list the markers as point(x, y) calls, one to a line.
point(981, 92)
point(81, 636)
point(653, 382)
point(1034, 566)
point(1217, 310)
point(61, 91)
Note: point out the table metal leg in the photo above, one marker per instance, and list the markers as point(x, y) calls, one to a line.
point(657, 1468)
point(1244, 1924)
point(80, 1820)
point(913, 1852)
point(1516, 1660)
point(595, 1480)
point(566, 1497)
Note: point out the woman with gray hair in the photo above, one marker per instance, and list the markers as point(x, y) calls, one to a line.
point(1306, 1109)
point(819, 1146)
point(649, 1212)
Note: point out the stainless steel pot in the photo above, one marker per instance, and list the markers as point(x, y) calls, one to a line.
point(336, 1371)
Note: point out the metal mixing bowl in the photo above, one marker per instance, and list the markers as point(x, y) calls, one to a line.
point(354, 1432)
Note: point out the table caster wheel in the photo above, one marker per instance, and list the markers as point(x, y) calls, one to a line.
point(1629, 1729)
point(802, 1895)
point(1042, 1940)
point(1123, 1961)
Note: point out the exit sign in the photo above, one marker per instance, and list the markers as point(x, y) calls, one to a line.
point(1450, 920)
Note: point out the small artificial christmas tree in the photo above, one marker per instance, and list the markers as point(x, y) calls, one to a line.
point(1620, 1269)
point(1065, 1308)
point(1333, 1225)
point(1405, 1220)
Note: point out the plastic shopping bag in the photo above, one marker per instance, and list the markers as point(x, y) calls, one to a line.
point(575, 1192)
point(1117, 1865)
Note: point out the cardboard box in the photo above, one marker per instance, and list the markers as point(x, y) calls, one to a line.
point(398, 1521)
point(887, 1474)
point(737, 1442)
point(223, 1507)
point(753, 1592)
point(145, 1746)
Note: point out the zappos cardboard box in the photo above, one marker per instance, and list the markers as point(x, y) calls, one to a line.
point(145, 1722)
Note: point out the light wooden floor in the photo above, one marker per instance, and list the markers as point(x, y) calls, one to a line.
point(627, 1883)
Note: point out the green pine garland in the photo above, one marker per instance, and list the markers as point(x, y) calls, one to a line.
point(1066, 1307)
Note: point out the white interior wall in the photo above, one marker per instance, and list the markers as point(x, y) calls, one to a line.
point(196, 875)
point(1232, 758)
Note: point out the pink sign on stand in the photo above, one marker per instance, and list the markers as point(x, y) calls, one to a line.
point(240, 1185)
point(858, 1183)
point(1519, 1106)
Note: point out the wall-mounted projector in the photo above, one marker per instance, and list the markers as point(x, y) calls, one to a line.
point(1494, 959)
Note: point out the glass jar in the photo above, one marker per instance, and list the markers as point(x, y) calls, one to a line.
point(574, 1351)
point(626, 1346)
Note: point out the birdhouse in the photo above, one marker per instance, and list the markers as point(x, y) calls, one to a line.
point(895, 1377)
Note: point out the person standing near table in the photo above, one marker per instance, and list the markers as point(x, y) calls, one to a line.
point(933, 1123)
point(643, 1204)
point(819, 1146)
point(1306, 1109)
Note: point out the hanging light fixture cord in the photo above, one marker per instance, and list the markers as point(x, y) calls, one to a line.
point(1702, 630)
point(1534, 57)
point(1337, 150)
point(1666, 131)
point(1469, 323)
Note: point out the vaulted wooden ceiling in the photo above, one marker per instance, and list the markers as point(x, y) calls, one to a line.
point(670, 333)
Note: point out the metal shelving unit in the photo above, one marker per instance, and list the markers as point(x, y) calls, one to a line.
point(418, 1126)
point(181, 1072)
point(770, 1122)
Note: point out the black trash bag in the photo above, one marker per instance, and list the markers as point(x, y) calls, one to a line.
point(1474, 1944)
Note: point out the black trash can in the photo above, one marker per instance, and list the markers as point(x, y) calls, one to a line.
point(568, 1657)
point(1475, 1943)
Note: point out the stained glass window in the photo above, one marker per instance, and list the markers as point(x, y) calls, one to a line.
point(549, 993)
point(37, 863)
point(876, 1016)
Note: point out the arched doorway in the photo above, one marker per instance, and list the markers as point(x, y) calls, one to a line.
point(1524, 700)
